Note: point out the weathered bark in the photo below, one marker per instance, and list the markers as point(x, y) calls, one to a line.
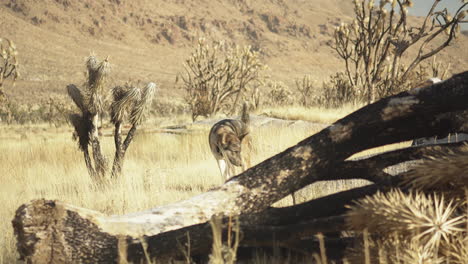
point(100, 162)
point(65, 236)
point(79, 235)
point(116, 166)
point(372, 168)
point(121, 148)
point(89, 164)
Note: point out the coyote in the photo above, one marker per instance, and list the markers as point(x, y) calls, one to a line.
point(231, 143)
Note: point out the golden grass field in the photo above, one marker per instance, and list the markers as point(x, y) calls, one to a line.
point(38, 161)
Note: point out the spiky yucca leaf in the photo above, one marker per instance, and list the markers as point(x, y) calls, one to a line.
point(457, 250)
point(427, 218)
point(77, 97)
point(97, 72)
point(442, 171)
point(97, 75)
point(142, 105)
point(82, 127)
point(91, 64)
point(123, 98)
point(417, 254)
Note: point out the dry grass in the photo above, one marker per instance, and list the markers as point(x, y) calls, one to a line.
point(42, 162)
point(314, 114)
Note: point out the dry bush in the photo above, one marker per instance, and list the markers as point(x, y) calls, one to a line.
point(53, 110)
point(217, 77)
point(373, 45)
point(278, 94)
point(334, 93)
point(169, 107)
point(8, 64)
point(337, 92)
point(309, 91)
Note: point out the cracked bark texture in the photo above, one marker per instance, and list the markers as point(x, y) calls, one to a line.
point(51, 231)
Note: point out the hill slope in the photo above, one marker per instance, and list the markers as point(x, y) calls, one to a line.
point(148, 40)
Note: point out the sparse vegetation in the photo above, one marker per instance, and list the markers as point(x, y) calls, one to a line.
point(374, 45)
point(425, 223)
point(8, 64)
point(160, 168)
point(53, 110)
point(278, 94)
point(307, 90)
point(217, 77)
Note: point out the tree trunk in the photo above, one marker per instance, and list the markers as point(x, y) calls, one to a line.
point(54, 232)
point(121, 148)
point(117, 165)
point(100, 162)
point(89, 164)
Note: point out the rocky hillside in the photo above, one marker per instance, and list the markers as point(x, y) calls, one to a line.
point(148, 40)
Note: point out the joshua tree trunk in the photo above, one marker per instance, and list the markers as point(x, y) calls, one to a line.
point(54, 232)
point(100, 161)
point(121, 148)
point(89, 164)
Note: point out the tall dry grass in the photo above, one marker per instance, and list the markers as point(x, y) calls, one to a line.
point(42, 162)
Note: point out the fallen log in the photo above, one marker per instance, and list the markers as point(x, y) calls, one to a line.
point(53, 232)
point(284, 227)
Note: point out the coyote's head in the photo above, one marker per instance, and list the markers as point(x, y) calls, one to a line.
point(231, 148)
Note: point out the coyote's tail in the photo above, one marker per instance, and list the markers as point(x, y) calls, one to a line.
point(245, 117)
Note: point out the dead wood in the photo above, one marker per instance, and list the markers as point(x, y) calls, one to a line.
point(54, 232)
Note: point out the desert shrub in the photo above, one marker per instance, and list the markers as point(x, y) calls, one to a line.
point(8, 64)
point(217, 77)
point(337, 92)
point(53, 110)
point(168, 107)
point(307, 89)
point(373, 45)
point(278, 93)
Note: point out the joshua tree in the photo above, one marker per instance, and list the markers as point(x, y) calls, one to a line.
point(380, 35)
point(128, 102)
point(8, 63)
point(90, 101)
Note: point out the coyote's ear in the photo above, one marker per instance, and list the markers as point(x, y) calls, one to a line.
point(241, 137)
point(224, 140)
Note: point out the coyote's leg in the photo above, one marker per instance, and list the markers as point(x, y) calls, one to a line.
point(247, 152)
point(223, 168)
point(231, 169)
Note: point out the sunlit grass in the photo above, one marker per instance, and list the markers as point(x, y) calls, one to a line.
point(313, 114)
point(43, 162)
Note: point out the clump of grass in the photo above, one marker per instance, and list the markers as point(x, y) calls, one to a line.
point(224, 253)
point(313, 114)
